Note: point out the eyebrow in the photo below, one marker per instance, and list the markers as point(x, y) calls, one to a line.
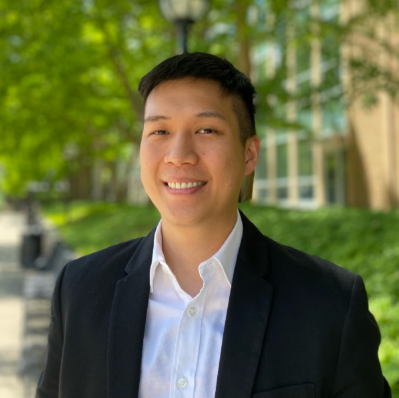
point(155, 118)
point(205, 114)
point(211, 114)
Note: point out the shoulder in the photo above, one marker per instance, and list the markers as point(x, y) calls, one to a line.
point(308, 278)
point(310, 266)
point(101, 266)
point(293, 273)
point(314, 296)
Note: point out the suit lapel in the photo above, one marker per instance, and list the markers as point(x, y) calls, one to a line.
point(247, 316)
point(127, 324)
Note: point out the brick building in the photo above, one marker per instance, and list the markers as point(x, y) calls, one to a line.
point(352, 157)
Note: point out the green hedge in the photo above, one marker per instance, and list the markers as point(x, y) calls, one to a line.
point(362, 241)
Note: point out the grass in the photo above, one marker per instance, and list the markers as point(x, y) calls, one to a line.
point(362, 241)
point(88, 227)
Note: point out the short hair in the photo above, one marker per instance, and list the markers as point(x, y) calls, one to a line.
point(198, 65)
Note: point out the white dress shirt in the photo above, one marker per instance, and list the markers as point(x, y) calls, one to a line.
point(183, 335)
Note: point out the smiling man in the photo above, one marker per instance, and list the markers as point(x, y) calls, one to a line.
point(205, 305)
point(193, 164)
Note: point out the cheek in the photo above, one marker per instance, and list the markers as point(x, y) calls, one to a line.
point(148, 164)
point(227, 165)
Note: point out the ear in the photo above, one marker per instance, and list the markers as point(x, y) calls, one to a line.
point(251, 154)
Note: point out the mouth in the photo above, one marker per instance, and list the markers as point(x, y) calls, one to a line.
point(184, 188)
point(184, 185)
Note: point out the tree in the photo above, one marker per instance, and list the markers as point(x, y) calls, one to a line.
point(69, 75)
point(70, 70)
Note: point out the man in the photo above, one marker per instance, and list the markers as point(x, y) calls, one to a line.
point(205, 305)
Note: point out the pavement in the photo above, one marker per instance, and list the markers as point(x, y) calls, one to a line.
point(11, 305)
point(22, 353)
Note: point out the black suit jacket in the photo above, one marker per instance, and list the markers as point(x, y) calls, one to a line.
point(297, 326)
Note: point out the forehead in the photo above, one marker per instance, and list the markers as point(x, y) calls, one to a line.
point(188, 94)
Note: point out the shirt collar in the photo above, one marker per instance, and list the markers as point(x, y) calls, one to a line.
point(226, 256)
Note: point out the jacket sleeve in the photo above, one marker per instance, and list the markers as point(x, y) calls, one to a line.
point(48, 384)
point(358, 371)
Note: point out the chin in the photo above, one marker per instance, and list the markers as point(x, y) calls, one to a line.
point(184, 216)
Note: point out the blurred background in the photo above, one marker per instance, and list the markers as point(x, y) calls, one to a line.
point(327, 182)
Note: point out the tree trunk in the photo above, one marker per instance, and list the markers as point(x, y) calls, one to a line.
point(79, 181)
point(243, 57)
point(244, 65)
point(127, 174)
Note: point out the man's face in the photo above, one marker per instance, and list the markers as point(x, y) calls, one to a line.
point(192, 160)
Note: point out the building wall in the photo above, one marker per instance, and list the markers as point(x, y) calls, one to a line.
point(293, 168)
point(355, 158)
point(372, 141)
point(372, 155)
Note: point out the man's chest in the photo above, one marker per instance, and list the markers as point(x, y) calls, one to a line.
point(183, 338)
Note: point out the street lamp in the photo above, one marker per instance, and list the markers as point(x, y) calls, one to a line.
point(183, 13)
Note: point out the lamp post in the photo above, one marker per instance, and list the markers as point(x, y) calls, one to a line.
point(183, 13)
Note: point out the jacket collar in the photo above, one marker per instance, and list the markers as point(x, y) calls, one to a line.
point(142, 255)
point(254, 250)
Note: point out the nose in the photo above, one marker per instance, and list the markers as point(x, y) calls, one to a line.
point(181, 151)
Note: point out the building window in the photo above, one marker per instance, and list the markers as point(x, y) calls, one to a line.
point(261, 182)
point(282, 172)
point(305, 159)
point(282, 160)
point(261, 167)
point(262, 195)
point(330, 166)
point(334, 178)
point(306, 191)
point(305, 173)
point(282, 191)
point(333, 112)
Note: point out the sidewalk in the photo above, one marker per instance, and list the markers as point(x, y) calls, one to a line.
point(11, 305)
point(25, 296)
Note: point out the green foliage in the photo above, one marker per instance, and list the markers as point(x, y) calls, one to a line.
point(70, 70)
point(69, 77)
point(88, 227)
point(362, 241)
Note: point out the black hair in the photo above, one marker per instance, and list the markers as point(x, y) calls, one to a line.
point(198, 65)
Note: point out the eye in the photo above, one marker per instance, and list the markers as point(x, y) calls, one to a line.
point(206, 131)
point(159, 132)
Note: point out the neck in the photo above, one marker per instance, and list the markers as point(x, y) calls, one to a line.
point(186, 247)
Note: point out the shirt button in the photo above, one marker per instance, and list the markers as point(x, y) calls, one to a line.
point(182, 383)
point(192, 311)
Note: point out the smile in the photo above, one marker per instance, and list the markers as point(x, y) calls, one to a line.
point(184, 185)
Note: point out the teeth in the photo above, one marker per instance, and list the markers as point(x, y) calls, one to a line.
point(183, 185)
